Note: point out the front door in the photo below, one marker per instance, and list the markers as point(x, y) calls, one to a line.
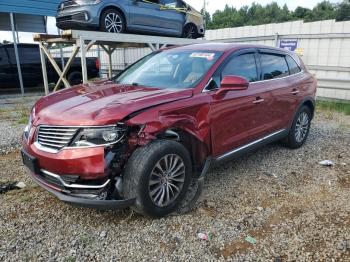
point(157, 16)
point(145, 13)
point(237, 117)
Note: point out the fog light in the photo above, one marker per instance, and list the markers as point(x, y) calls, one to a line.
point(86, 17)
point(109, 136)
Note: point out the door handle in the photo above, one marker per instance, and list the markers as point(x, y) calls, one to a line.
point(258, 100)
point(295, 92)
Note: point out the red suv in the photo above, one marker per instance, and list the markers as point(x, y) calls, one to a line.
point(146, 137)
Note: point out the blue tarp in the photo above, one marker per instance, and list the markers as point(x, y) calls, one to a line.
point(30, 7)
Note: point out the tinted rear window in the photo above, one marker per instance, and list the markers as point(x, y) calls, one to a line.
point(243, 65)
point(29, 54)
point(293, 66)
point(273, 66)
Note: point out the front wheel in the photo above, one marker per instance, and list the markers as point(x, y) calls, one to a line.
point(300, 128)
point(112, 21)
point(158, 176)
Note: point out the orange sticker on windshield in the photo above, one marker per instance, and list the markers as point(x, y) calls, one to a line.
point(208, 56)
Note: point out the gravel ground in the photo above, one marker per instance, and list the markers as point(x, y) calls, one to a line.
point(296, 209)
point(14, 112)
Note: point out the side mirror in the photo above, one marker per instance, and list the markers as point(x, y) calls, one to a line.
point(232, 83)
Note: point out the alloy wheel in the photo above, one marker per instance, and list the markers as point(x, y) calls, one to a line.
point(301, 127)
point(167, 180)
point(190, 31)
point(113, 23)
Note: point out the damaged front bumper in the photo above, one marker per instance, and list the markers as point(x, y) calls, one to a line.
point(82, 195)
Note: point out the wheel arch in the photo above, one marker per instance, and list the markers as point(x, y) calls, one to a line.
point(307, 101)
point(198, 149)
point(311, 105)
point(116, 7)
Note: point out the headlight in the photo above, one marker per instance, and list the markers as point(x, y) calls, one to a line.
point(88, 2)
point(97, 136)
point(28, 126)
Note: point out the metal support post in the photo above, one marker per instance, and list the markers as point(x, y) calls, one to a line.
point(99, 59)
point(43, 67)
point(276, 39)
point(16, 54)
point(109, 52)
point(61, 51)
point(83, 60)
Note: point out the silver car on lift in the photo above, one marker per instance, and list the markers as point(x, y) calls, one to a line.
point(156, 17)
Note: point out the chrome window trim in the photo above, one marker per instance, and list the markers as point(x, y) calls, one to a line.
point(76, 186)
point(248, 145)
point(260, 81)
point(250, 83)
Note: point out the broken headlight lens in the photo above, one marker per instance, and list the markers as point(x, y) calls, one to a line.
point(97, 136)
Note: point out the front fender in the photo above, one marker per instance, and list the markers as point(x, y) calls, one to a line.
point(193, 120)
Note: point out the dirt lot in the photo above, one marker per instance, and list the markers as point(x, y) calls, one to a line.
point(296, 209)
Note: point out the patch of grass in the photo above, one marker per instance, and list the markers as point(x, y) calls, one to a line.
point(85, 240)
point(69, 259)
point(23, 120)
point(341, 107)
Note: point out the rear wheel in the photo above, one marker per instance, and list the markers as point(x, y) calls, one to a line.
point(190, 31)
point(74, 78)
point(112, 21)
point(300, 128)
point(158, 176)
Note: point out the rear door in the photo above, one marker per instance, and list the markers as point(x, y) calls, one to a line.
point(238, 117)
point(30, 64)
point(11, 67)
point(284, 88)
point(6, 75)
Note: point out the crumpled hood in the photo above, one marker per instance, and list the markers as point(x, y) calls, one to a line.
point(100, 103)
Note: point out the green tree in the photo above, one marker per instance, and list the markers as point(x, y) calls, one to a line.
point(343, 11)
point(256, 14)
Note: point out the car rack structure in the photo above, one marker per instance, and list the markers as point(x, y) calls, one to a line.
point(83, 40)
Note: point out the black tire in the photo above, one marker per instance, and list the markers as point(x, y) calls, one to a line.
point(74, 78)
point(190, 31)
point(115, 15)
point(139, 173)
point(292, 140)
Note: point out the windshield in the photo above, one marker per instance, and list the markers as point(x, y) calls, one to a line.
point(170, 69)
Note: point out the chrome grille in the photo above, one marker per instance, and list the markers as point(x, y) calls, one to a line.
point(55, 137)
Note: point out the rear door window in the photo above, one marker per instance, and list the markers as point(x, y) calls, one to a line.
point(242, 65)
point(3, 56)
point(293, 66)
point(11, 54)
point(273, 66)
point(29, 55)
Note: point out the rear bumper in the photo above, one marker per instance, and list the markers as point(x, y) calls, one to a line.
point(80, 201)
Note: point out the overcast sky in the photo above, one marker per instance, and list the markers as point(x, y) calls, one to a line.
point(212, 6)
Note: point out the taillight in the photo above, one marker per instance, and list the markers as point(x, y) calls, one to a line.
point(97, 63)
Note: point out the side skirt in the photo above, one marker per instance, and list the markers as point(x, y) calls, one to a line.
point(253, 145)
point(278, 135)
